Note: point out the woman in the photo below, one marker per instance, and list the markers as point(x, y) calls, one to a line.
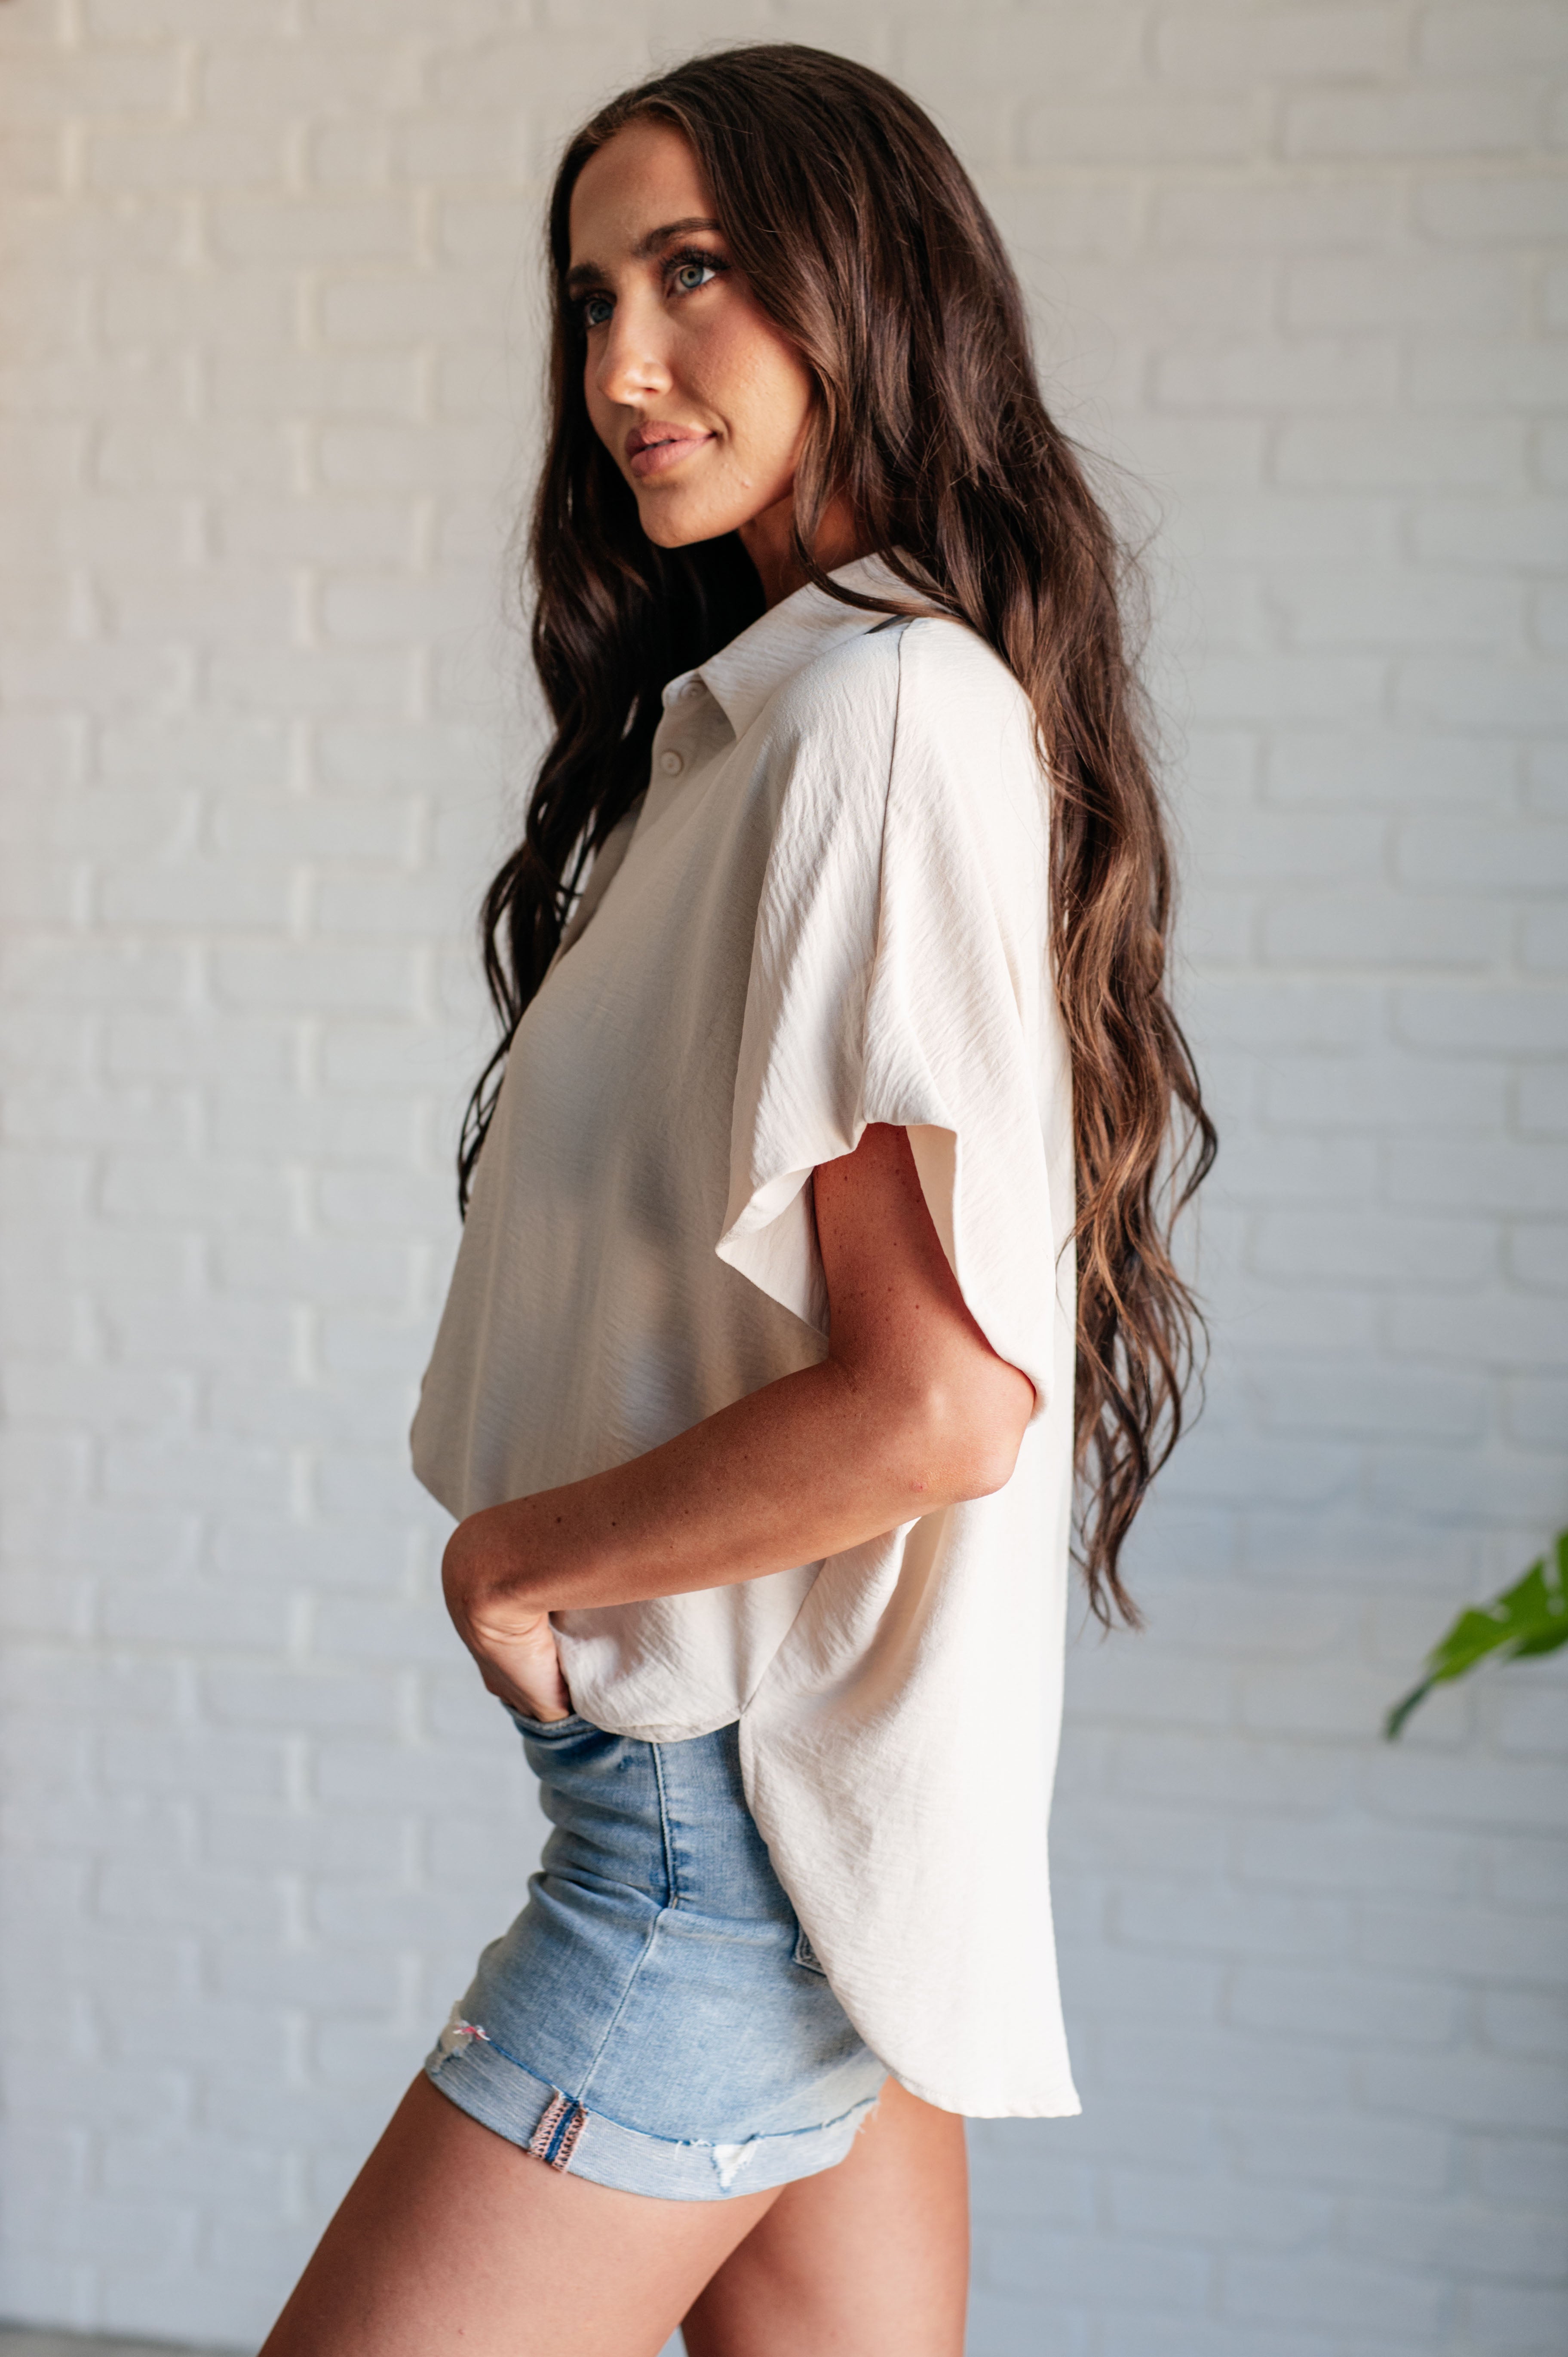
point(836, 937)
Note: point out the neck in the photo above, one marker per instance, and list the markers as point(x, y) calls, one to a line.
point(766, 540)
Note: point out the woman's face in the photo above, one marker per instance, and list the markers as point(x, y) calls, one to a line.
point(699, 401)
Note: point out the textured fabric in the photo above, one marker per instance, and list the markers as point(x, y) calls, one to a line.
point(655, 2018)
point(830, 909)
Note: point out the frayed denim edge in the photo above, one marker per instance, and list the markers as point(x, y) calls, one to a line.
point(494, 2088)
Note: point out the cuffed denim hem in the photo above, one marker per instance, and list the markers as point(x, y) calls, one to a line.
point(494, 2088)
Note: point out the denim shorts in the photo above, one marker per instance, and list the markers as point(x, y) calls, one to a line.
point(655, 2018)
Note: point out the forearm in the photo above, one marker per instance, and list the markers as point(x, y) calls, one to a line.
point(812, 1464)
point(910, 1410)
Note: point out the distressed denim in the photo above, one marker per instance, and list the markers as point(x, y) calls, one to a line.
point(655, 2018)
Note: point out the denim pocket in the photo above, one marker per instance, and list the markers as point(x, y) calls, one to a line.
point(547, 1730)
point(807, 1958)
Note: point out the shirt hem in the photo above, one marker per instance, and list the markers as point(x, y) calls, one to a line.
point(1061, 2103)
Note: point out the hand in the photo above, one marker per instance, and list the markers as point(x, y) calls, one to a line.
point(510, 1639)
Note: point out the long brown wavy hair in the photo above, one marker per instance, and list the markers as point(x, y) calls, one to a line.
point(861, 237)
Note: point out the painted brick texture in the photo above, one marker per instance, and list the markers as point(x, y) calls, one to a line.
point(268, 363)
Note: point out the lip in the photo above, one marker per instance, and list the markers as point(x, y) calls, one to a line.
point(653, 447)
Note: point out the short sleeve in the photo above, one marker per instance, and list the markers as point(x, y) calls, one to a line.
point(900, 973)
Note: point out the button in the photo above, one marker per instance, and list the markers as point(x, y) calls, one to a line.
point(672, 764)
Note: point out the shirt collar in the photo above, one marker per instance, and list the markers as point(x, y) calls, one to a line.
point(743, 675)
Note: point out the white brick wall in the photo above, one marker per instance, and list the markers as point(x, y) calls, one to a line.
point(268, 363)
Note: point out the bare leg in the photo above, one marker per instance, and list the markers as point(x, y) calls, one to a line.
point(870, 2259)
point(451, 2239)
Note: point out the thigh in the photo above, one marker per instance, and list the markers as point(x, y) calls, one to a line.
point(453, 2240)
point(869, 2259)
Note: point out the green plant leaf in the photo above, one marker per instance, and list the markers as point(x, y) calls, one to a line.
point(1531, 1617)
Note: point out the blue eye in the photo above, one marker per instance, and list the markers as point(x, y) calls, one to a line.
point(684, 274)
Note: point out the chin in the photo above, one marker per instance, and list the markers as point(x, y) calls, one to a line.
point(675, 524)
point(675, 529)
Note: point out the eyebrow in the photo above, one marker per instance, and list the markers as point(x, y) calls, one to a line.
point(589, 273)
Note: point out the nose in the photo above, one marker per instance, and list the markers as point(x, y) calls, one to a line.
point(632, 366)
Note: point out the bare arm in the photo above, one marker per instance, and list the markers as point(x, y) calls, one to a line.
point(910, 1410)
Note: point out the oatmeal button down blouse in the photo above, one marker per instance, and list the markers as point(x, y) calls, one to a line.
point(830, 908)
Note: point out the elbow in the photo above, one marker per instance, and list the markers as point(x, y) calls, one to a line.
point(990, 1443)
point(990, 1463)
point(967, 1433)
